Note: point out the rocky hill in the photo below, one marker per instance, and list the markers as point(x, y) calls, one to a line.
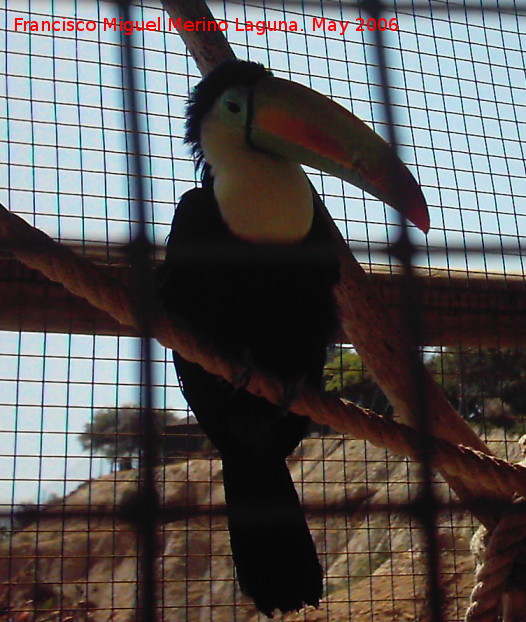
point(78, 561)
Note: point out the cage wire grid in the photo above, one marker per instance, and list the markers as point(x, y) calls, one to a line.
point(71, 119)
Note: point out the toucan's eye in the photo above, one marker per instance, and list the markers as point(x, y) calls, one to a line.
point(233, 107)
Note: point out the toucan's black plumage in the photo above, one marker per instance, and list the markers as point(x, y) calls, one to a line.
point(271, 304)
point(251, 265)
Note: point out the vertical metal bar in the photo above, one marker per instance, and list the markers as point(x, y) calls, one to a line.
point(426, 506)
point(140, 248)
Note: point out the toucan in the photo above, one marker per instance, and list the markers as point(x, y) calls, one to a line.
point(251, 266)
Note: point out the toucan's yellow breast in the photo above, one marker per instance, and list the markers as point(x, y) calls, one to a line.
point(264, 199)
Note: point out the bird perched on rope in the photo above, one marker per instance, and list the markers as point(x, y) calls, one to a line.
point(251, 265)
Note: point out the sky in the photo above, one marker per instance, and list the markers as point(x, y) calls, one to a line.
point(459, 94)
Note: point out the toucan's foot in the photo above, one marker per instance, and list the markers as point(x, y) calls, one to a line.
point(292, 389)
point(244, 370)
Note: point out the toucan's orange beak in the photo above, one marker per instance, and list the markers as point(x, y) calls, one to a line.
point(299, 124)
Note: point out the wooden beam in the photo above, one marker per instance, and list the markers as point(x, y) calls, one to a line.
point(30, 302)
point(458, 308)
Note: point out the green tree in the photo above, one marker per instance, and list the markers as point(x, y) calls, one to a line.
point(484, 384)
point(346, 375)
point(115, 433)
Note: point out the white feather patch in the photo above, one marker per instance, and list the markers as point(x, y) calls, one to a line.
point(263, 198)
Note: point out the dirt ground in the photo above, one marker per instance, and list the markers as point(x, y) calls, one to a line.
point(79, 561)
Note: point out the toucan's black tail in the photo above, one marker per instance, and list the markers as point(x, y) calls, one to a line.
point(273, 551)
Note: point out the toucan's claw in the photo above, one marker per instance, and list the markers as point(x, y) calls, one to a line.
point(243, 370)
point(292, 388)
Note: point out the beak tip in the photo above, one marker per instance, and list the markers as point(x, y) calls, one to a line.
point(417, 212)
point(422, 222)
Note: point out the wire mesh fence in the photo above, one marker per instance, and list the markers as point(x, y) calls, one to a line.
point(85, 533)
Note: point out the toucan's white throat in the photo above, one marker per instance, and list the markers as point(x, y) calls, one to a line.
point(263, 198)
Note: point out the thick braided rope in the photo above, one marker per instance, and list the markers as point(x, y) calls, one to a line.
point(82, 278)
point(504, 545)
